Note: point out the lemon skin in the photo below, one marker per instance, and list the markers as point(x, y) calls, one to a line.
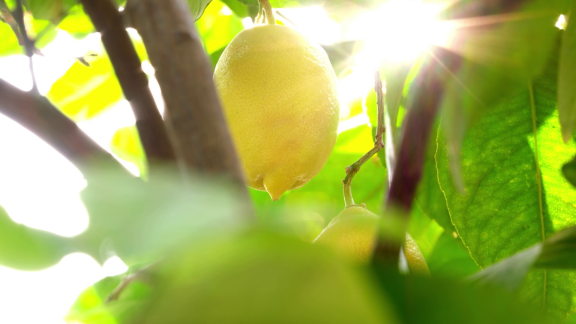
point(279, 93)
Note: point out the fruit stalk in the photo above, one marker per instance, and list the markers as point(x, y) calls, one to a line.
point(267, 12)
point(352, 169)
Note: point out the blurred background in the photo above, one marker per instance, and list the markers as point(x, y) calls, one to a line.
point(39, 188)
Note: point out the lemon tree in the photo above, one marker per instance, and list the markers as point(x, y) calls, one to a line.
point(302, 161)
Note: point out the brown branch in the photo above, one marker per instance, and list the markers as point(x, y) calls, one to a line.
point(29, 45)
point(108, 21)
point(378, 144)
point(193, 111)
point(39, 116)
point(417, 127)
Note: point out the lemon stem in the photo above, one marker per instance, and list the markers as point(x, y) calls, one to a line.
point(267, 10)
point(352, 169)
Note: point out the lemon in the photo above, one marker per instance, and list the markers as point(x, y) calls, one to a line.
point(279, 94)
point(353, 235)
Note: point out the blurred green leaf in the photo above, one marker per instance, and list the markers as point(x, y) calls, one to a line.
point(430, 300)
point(218, 28)
point(93, 307)
point(450, 259)
point(197, 7)
point(29, 249)
point(567, 79)
point(77, 23)
point(126, 145)
point(515, 194)
point(53, 11)
point(142, 221)
point(557, 252)
point(261, 277)
point(237, 8)
point(84, 92)
point(9, 44)
point(491, 60)
point(569, 171)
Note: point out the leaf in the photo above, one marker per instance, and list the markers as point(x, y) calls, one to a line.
point(142, 221)
point(515, 194)
point(84, 92)
point(77, 23)
point(510, 272)
point(53, 11)
point(29, 249)
point(126, 145)
point(557, 252)
point(261, 277)
point(489, 60)
point(450, 259)
point(569, 171)
point(237, 7)
point(567, 79)
point(216, 28)
point(92, 307)
point(9, 44)
point(425, 300)
point(197, 7)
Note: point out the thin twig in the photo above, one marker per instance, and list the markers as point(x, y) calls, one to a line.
point(352, 169)
point(29, 45)
point(153, 135)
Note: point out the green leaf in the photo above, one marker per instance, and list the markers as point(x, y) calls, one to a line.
point(567, 79)
point(515, 195)
point(9, 44)
point(237, 7)
point(491, 61)
point(197, 7)
point(557, 252)
point(92, 307)
point(29, 249)
point(84, 92)
point(126, 145)
point(53, 11)
point(77, 23)
point(141, 221)
point(216, 28)
point(569, 171)
point(260, 277)
point(450, 259)
point(425, 300)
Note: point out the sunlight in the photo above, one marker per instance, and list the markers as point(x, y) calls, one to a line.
point(399, 31)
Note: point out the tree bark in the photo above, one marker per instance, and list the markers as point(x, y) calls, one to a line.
point(193, 111)
point(39, 116)
point(108, 21)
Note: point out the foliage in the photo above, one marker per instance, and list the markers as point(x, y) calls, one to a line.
point(494, 214)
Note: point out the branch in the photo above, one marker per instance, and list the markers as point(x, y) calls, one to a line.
point(378, 144)
point(417, 127)
point(39, 116)
point(193, 111)
point(108, 21)
point(29, 45)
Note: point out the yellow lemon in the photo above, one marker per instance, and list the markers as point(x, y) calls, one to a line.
point(279, 94)
point(353, 235)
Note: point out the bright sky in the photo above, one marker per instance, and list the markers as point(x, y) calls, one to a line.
point(39, 188)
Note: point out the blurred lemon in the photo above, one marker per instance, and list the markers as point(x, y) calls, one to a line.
point(279, 94)
point(353, 234)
